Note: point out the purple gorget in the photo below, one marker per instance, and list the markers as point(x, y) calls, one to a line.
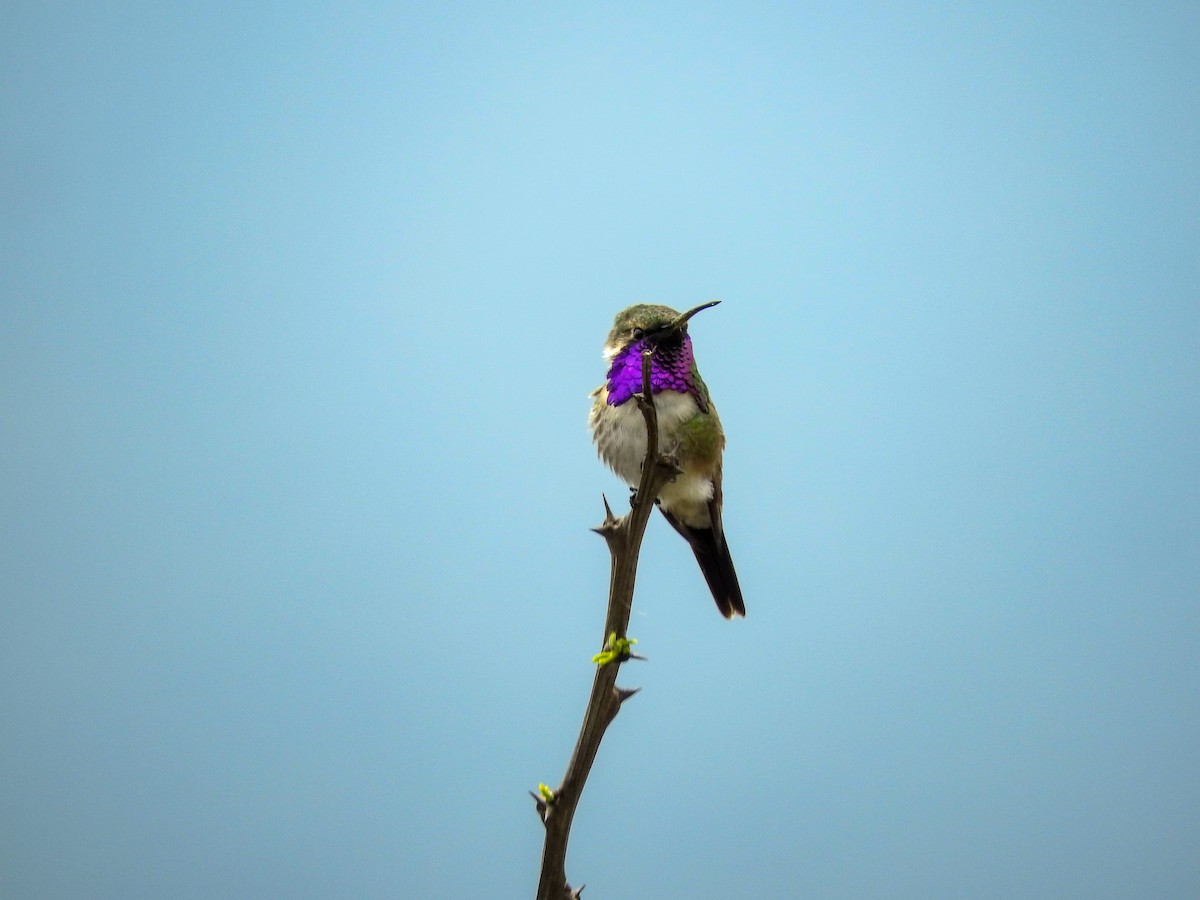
point(671, 369)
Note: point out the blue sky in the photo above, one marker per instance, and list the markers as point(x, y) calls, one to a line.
point(301, 307)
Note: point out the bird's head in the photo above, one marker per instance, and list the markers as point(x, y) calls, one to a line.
point(651, 325)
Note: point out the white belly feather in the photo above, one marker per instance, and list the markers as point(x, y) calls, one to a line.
point(620, 436)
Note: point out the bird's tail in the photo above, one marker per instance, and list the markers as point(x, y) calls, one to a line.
point(712, 553)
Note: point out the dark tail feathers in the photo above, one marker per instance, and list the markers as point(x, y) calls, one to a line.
point(712, 553)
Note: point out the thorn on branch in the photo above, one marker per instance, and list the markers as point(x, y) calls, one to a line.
point(543, 800)
point(624, 694)
point(605, 530)
point(609, 528)
point(540, 806)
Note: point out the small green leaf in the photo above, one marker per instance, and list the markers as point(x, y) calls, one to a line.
point(615, 649)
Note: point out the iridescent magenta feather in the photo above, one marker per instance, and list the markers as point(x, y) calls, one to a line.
point(671, 369)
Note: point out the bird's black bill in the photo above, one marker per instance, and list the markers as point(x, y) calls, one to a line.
point(668, 334)
point(682, 320)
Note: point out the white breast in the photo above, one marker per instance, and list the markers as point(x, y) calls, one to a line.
point(620, 436)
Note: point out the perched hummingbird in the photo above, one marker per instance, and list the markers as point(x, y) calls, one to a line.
point(688, 427)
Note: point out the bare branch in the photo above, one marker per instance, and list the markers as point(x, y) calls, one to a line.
point(624, 538)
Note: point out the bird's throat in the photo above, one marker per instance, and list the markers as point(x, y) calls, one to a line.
point(672, 368)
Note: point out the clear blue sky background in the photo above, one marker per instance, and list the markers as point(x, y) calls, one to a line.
point(301, 305)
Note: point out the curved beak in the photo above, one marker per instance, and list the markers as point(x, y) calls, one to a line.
point(671, 329)
point(678, 324)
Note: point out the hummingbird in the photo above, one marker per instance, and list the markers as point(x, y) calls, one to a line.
point(688, 428)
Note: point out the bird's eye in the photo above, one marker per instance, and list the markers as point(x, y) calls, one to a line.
point(638, 334)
